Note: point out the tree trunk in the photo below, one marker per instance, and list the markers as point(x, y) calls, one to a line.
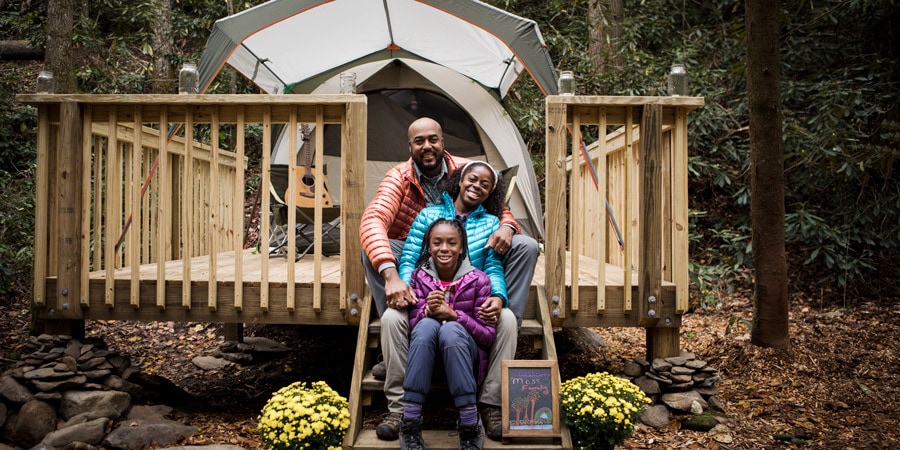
point(606, 19)
point(163, 80)
point(19, 50)
point(770, 298)
point(58, 57)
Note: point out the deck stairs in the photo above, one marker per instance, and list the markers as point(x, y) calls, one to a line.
point(364, 386)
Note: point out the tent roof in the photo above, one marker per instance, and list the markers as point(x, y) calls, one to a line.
point(283, 43)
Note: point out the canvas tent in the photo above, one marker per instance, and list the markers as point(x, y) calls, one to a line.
point(412, 58)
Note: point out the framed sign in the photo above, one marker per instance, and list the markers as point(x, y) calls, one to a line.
point(530, 399)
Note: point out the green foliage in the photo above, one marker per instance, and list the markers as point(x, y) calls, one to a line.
point(841, 102)
point(840, 94)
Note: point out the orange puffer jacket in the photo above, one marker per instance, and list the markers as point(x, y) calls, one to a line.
point(396, 204)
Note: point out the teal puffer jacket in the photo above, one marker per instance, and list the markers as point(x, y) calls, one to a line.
point(479, 227)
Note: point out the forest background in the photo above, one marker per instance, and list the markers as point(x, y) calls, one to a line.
point(840, 95)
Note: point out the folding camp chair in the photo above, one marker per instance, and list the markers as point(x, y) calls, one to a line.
point(304, 232)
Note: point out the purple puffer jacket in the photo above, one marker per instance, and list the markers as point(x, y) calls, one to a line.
point(472, 288)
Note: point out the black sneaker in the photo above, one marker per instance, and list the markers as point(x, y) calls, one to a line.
point(389, 428)
point(411, 434)
point(471, 437)
point(492, 419)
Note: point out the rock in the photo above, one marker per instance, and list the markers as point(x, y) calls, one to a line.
point(682, 400)
point(715, 403)
point(701, 422)
point(59, 385)
point(149, 413)
point(137, 434)
point(648, 385)
point(656, 416)
point(209, 362)
point(676, 361)
point(696, 408)
point(46, 373)
point(2, 414)
point(632, 369)
point(265, 345)
point(695, 364)
point(89, 433)
point(660, 365)
point(35, 420)
point(109, 404)
point(13, 391)
point(721, 434)
point(238, 358)
point(681, 370)
point(117, 383)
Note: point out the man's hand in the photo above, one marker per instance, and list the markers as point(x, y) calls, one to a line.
point(397, 293)
point(490, 310)
point(501, 240)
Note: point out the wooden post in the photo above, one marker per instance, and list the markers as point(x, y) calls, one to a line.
point(353, 185)
point(555, 243)
point(649, 304)
point(68, 211)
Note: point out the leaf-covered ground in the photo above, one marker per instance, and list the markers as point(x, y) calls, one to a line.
point(836, 388)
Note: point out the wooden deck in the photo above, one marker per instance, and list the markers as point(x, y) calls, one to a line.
point(303, 312)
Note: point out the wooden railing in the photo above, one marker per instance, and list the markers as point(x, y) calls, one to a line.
point(640, 162)
point(111, 199)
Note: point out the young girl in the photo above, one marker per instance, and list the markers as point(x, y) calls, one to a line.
point(445, 322)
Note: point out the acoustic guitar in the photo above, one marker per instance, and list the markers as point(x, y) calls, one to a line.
point(305, 177)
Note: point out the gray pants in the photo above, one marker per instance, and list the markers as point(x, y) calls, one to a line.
point(518, 266)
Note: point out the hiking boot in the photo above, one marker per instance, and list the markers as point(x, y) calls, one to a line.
point(492, 419)
point(389, 428)
point(471, 437)
point(379, 371)
point(411, 434)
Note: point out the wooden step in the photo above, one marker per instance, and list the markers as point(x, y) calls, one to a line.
point(530, 327)
point(448, 440)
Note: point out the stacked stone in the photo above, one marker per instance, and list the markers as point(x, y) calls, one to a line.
point(678, 385)
point(66, 393)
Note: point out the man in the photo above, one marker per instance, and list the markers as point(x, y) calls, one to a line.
point(405, 190)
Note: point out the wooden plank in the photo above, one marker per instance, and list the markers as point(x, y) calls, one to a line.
point(187, 209)
point(134, 196)
point(628, 227)
point(319, 203)
point(555, 235)
point(85, 225)
point(353, 187)
point(237, 216)
point(680, 238)
point(650, 211)
point(164, 207)
point(113, 208)
point(602, 179)
point(69, 212)
point(265, 219)
point(360, 364)
point(213, 214)
point(576, 210)
point(97, 193)
point(449, 440)
point(292, 204)
point(41, 206)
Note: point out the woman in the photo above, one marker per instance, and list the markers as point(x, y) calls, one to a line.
point(473, 194)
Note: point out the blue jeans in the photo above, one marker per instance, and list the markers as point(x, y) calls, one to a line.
point(459, 353)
